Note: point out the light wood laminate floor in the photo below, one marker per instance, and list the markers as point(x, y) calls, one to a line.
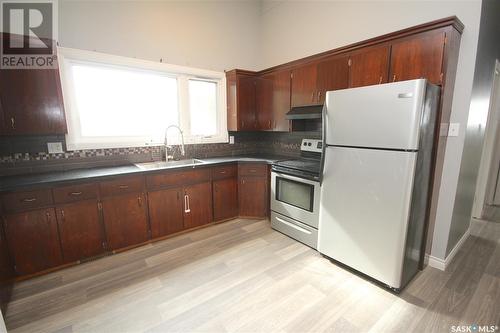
point(241, 276)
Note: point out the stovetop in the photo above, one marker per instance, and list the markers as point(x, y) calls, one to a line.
point(307, 166)
point(302, 164)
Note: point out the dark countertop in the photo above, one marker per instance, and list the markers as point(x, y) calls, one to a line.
point(31, 180)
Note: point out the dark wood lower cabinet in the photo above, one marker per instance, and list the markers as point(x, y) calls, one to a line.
point(166, 211)
point(253, 196)
point(125, 220)
point(33, 240)
point(225, 198)
point(80, 230)
point(6, 271)
point(197, 205)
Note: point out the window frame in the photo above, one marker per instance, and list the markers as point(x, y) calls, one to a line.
point(74, 139)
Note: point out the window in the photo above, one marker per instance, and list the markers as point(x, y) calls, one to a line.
point(119, 102)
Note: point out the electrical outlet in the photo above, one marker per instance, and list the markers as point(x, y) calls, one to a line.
point(454, 129)
point(54, 147)
point(231, 139)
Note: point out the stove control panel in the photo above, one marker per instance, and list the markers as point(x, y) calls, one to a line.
point(315, 146)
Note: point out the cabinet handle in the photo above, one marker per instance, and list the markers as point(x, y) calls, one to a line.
point(269, 123)
point(242, 124)
point(312, 96)
point(223, 172)
point(123, 187)
point(139, 201)
point(394, 78)
point(252, 170)
point(99, 205)
point(319, 96)
point(62, 214)
point(48, 216)
point(28, 200)
point(380, 80)
point(76, 193)
point(13, 122)
point(186, 204)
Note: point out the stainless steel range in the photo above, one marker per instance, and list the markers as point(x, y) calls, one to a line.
point(295, 191)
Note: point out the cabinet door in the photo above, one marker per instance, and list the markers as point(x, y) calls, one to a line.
point(33, 240)
point(333, 74)
point(253, 197)
point(273, 101)
point(369, 66)
point(264, 100)
point(125, 220)
point(6, 271)
point(32, 101)
point(165, 212)
point(225, 196)
point(197, 205)
point(281, 100)
point(304, 90)
point(246, 102)
point(420, 56)
point(80, 230)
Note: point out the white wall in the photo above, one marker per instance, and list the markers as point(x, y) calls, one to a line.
point(214, 35)
point(294, 29)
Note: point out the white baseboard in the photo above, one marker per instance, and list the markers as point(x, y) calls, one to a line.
point(443, 263)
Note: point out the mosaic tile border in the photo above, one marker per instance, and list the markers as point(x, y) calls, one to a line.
point(44, 156)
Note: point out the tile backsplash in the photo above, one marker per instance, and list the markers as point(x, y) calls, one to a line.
point(29, 154)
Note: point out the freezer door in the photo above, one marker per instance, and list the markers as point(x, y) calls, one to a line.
point(364, 210)
point(380, 116)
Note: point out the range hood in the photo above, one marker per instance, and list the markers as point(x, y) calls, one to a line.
point(305, 112)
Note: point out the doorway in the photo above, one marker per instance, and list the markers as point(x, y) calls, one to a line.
point(487, 198)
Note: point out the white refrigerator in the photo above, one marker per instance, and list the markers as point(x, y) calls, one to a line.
point(376, 172)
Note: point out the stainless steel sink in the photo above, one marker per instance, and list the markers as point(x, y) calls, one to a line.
point(170, 164)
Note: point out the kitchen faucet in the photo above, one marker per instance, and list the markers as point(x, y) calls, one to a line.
point(183, 151)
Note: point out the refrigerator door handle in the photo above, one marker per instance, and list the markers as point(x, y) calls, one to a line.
point(405, 95)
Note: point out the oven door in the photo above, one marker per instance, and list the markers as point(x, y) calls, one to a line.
point(296, 198)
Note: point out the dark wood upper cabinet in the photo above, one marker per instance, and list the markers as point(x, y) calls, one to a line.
point(332, 74)
point(80, 229)
point(420, 56)
point(264, 100)
point(31, 101)
point(273, 101)
point(304, 85)
point(241, 100)
point(225, 198)
point(125, 220)
point(369, 66)
point(166, 213)
point(197, 205)
point(33, 240)
point(281, 100)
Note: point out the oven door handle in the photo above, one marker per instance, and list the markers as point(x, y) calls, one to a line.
point(297, 179)
point(293, 225)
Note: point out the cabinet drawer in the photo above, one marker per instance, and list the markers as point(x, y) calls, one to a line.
point(75, 193)
point(122, 185)
point(225, 171)
point(177, 178)
point(252, 169)
point(26, 200)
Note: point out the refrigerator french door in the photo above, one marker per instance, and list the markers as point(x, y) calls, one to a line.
point(375, 180)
